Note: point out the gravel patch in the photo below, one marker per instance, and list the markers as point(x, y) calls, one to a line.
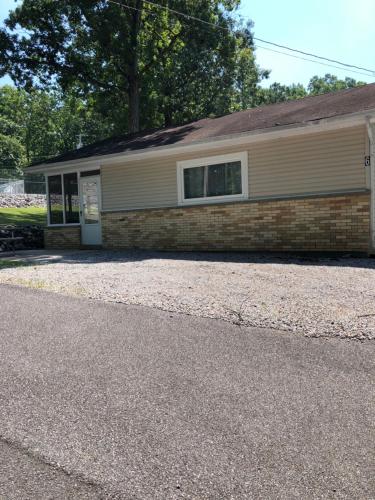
point(319, 297)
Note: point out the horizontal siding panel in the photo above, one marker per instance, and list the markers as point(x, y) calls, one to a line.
point(295, 154)
point(309, 148)
point(320, 162)
point(289, 158)
point(151, 184)
point(312, 180)
point(323, 162)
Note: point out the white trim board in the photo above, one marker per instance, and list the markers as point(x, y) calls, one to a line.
point(250, 199)
point(67, 167)
point(241, 139)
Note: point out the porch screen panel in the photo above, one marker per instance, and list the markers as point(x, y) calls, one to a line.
point(71, 198)
point(55, 200)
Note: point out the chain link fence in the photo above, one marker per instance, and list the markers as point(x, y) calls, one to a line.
point(11, 186)
point(12, 182)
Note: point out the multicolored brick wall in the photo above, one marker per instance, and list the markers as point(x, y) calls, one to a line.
point(336, 223)
point(62, 237)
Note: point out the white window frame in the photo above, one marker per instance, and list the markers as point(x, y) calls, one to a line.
point(64, 223)
point(205, 162)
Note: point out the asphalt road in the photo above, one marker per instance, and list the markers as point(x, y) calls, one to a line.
point(26, 477)
point(103, 400)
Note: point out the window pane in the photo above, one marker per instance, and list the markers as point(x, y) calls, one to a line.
point(224, 179)
point(55, 201)
point(71, 198)
point(90, 202)
point(194, 182)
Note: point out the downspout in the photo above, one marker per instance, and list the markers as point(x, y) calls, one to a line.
point(370, 122)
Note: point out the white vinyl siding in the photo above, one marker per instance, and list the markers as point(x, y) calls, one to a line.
point(316, 163)
point(139, 185)
point(331, 161)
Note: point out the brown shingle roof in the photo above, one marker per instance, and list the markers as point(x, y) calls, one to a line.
point(295, 112)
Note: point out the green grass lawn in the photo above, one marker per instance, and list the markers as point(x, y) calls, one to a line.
point(23, 216)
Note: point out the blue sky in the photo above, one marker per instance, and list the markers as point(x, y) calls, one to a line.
point(337, 29)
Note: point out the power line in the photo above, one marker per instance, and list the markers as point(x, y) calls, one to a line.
point(310, 60)
point(261, 39)
point(130, 7)
point(193, 18)
point(316, 56)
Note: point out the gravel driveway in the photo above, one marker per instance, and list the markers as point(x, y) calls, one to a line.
point(316, 297)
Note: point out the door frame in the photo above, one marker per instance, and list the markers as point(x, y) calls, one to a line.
point(99, 187)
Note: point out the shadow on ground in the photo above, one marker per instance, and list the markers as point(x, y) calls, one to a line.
point(42, 257)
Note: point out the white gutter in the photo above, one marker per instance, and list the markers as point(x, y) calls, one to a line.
point(325, 124)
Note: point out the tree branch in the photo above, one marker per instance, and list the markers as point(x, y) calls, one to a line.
point(162, 52)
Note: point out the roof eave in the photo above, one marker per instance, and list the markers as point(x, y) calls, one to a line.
point(323, 124)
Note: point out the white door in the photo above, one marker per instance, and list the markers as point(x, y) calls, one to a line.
point(91, 231)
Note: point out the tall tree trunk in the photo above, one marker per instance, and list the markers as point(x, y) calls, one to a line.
point(168, 119)
point(134, 77)
point(133, 118)
point(167, 107)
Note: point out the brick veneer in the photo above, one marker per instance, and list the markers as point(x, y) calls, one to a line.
point(339, 223)
point(62, 237)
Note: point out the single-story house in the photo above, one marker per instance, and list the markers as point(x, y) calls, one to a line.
point(297, 175)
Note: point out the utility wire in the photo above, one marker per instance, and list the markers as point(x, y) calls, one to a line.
point(316, 56)
point(310, 60)
point(207, 23)
point(259, 39)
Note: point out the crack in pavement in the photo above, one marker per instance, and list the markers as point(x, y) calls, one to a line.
point(36, 456)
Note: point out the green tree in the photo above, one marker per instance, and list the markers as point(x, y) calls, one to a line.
point(12, 156)
point(317, 85)
point(36, 125)
point(330, 83)
point(54, 123)
point(142, 65)
point(12, 149)
point(279, 93)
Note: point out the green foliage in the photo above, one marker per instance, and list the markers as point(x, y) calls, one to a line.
point(9, 127)
point(140, 65)
point(330, 83)
point(91, 69)
point(317, 85)
point(38, 124)
point(12, 150)
point(12, 153)
point(54, 123)
point(279, 93)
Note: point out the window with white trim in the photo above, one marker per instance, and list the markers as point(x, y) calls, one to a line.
point(212, 179)
point(63, 199)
